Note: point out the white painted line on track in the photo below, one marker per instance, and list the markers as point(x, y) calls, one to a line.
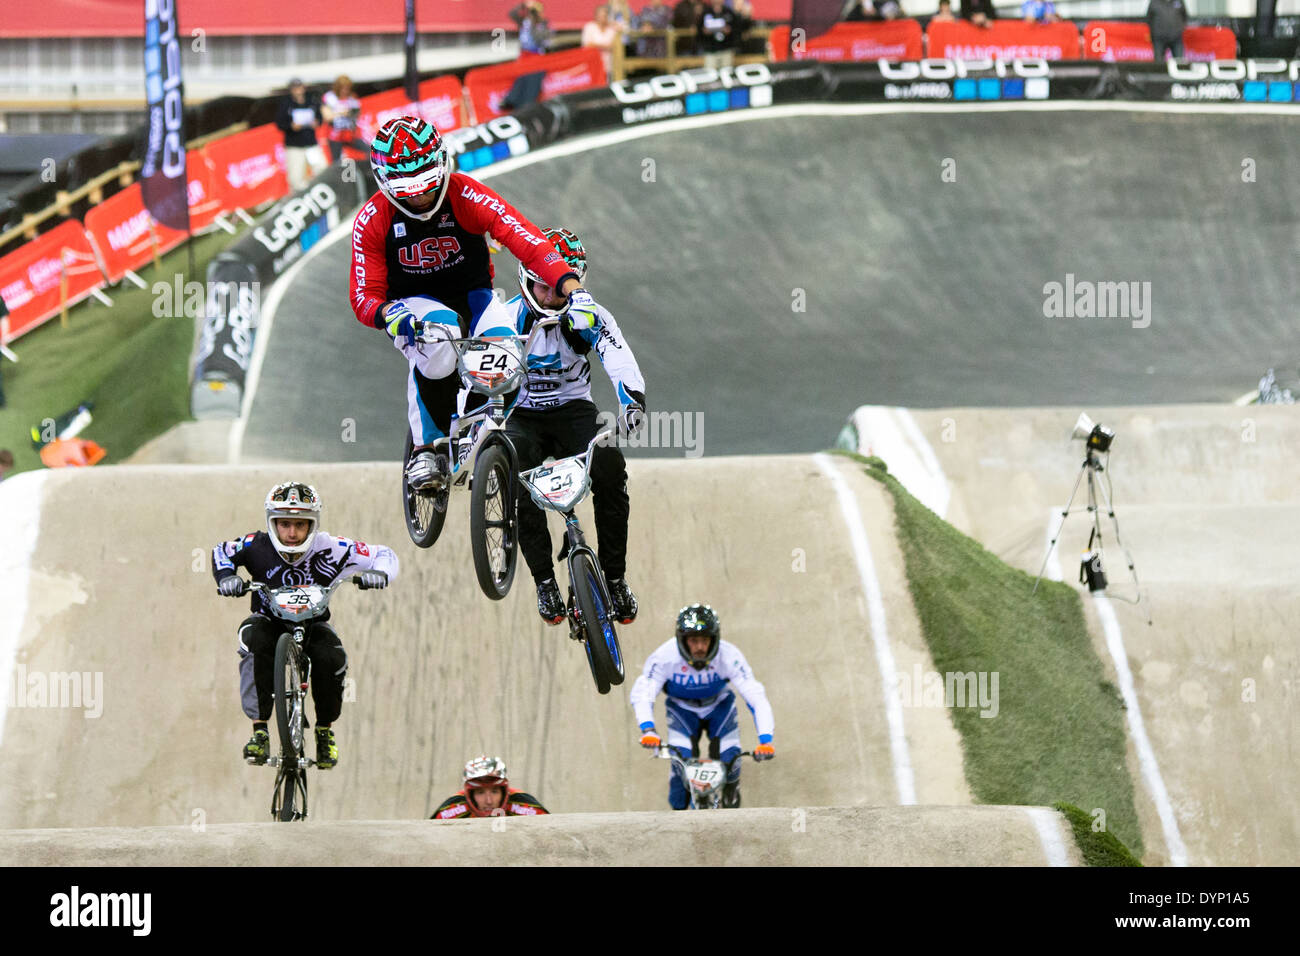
point(1049, 825)
point(892, 435)
point(1137, 729)
point(20, 522)
point(903, 776)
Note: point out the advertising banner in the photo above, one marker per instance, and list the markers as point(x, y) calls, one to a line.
point(442, 103)
point(1004, 40)
point(126, 235)
point(238, 277)
point(162, 171)
point(566, 72)
point(38, 278)
point(248, 168)
point(1114, 41)
point(889, 40)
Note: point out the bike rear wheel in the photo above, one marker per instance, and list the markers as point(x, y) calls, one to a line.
point(492, 534)
point(597, 622)
point(289, 720)
point(425, 511)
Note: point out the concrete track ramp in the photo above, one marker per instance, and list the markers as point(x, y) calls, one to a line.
point(120, 588)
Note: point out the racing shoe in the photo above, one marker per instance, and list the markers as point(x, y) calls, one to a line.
point(549, 603)
point(624, 601)
point(327, 751)
point(730, 796)
point(258, 748)
point(428, 471)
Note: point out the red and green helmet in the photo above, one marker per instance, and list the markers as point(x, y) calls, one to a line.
point(410, 160)
point(574, 254)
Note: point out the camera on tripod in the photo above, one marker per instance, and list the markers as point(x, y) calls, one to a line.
point(1097, 440)
point(1096, 437)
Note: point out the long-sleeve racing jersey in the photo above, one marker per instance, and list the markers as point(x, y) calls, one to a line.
point(443, 257)
point(328, 558)
point(559, 362)
point(666, 670)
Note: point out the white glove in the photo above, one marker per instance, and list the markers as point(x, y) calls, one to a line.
point(582, 310)
point(631, 420)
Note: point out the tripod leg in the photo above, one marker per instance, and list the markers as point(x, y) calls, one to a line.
point(1132, 570)
point(1065, 513)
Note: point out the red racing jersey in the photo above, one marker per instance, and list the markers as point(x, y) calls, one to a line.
point(518, 804)
point(444, 256)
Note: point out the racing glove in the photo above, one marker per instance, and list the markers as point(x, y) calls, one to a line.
point(582, 310)
point(232, 585)
point(400, 320)
point(633, 415)
point(373, 579)
point(764, 752)
point(649, 739)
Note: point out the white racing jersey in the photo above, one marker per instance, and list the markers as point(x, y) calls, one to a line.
point(666, 670)
point(559, 365)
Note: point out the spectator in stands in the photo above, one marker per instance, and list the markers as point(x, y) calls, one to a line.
point(655, 15)
point(534, 28)
point(1039, 11)
point(869, 10)
point(945, 13)
point(6, 462)
point(686, 15)
point(744, 20)
point(340, 108)
point(297, 118)
point(620, 14)
point(602, 33)
point(979, 12)
point(714, 34)
point(1167, 20)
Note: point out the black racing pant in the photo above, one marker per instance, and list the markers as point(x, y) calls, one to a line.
point(560, 432)
point(258, 636)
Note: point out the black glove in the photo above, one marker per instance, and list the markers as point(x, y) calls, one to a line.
point(372, 579)
point(232, 585)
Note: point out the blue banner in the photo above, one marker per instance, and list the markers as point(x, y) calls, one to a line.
point(162, 175)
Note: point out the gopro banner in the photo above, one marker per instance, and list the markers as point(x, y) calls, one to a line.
point(162, 175)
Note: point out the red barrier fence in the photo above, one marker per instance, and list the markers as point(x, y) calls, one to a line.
point(892, 40)
point(566, 72)
point(1115, 41)
point(248, 167)
point(125, 235)
point(1209, 43)
point(42, 276)
point(442, 103)
point(1003, 40)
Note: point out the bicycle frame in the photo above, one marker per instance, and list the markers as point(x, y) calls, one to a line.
point(703, 778)
point(495, 378)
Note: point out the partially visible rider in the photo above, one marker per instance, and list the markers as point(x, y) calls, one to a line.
point(693, 671)
point(294, 551)
point(554, 416)
point(487, 793)
point(422, 234)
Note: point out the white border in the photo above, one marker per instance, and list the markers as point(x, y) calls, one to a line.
point(20, 524)
point(1137, 729)
point(902, 758)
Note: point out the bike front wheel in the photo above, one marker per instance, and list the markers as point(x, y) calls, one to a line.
point(289, 720)
point(597, 622)
point(425, 511)
point(492, 522)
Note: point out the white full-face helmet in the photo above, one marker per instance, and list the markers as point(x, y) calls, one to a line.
point(292, 499)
